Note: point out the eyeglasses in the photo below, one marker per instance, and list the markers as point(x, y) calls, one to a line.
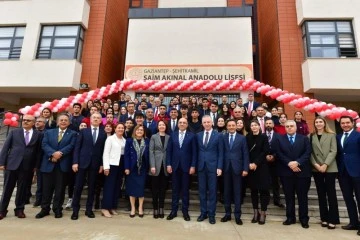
point(39, 121)
point(27, 120)
point(289, 126)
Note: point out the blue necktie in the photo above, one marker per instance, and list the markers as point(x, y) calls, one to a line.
point(291, 140)
point(181, 140)
point(345, 138)
point(206, 139)
point(231, 140)
point(94, 135)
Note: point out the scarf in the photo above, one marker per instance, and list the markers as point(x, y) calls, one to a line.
point(139, 152)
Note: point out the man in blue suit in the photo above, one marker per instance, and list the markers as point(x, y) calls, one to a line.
point(150, 123)
point(293, 155)
point(87, 161)
point(57, 145)
point(236, 166)
point(210, 164)
point(348, 160)
point(181, 162)
point(251, 104)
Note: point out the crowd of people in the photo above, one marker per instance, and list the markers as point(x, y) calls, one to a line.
point(230, 146)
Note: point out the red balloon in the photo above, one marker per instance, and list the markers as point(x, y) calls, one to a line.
point(14, 124)
point(7, 121)
point(8, 115)
point(30, 112)
point(16, 116)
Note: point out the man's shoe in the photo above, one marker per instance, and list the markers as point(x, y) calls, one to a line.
point(212, 220)
point(161, 213)
point(238, 221)
point(305, 225)
point(349, 227)
point(225, 218)
point(279, 204)
point(90, 214)
point(37, 203)
point(186, 217)
point(42, 214)
point(201, 218)
point(75, 216)
point(171, 216)
point(288, 222)
point(69, 204)
point(3, 215)
point(58, 214)
point(20, 214)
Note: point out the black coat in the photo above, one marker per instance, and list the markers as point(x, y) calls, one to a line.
point(258, 148)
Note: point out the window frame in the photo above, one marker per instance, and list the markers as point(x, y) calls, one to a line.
point(13, 39)
point(306, 35)
point(141, 3)
point(79, 39)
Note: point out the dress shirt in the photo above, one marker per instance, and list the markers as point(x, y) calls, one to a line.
point(293, 136)
point(343, 137)
point(97, 131)
point(210, 131)
point(31, 131)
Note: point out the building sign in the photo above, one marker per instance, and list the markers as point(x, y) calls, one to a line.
point(189, 72)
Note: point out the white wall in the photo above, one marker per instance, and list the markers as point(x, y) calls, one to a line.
point(191, 3)
point(320, 75)
point(189, 41)
point(330, 9)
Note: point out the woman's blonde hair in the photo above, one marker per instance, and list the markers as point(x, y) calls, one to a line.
point(327, 129)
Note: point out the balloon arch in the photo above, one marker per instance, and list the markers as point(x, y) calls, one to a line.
point(313, 105)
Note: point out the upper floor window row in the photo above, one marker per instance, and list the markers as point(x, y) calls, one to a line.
point(329, 39)
point(11, 40)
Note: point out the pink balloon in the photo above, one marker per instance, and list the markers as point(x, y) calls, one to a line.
point(14, 124)
point(8, 115)
point(7, 121)
point(16, 116)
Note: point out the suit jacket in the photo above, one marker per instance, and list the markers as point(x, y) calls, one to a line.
point(324, 151)
point(124, 117)
point(255, 105)
point(348, 157)
point(130, 155)
point(157, 153)
point(152, 127)
point(86, 153)
point(238, 156)
point(212, 155)
point(15, 151)
point(50, 145)
point(112, 151)
point(184, 157)
point(300, 151)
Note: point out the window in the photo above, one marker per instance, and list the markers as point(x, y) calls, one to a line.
point(61, 42)
point(329, 39)
point(11, 40)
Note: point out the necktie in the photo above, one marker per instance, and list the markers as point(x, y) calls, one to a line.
point(291, 140)
point(206, 139)
point(214, 118)
point(269, 136)
point(181, 139)
point(156, 112)
point(345, 138)
point(231, 140)
point(60, 135)
point(148, 124)
point(262, 125)
point(173, 125)
point(249, 108)
point(94, 135)
point(27, 137)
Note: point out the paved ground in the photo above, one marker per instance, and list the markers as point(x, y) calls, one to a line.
point(123, 227)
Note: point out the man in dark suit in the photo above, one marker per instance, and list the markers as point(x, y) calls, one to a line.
point(214, 113)
point(19, 157)
point(130, 108)
point(260, 112)
point(271, 159)
point(251, 104)
point(173, 121)
point(57, 145)
point(348, 160)
point(210, 164)
point(87, 161)
point(293, 154)
point(150, 123)
point(236, 166)
point(181, 162)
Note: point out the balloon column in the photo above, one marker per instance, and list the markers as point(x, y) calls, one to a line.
point(313, 105)
point(358, 125)
point(11, 119)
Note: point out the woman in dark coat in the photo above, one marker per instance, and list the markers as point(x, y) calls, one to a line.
point(259, 178)
point(301, 125)
point(136, 163)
